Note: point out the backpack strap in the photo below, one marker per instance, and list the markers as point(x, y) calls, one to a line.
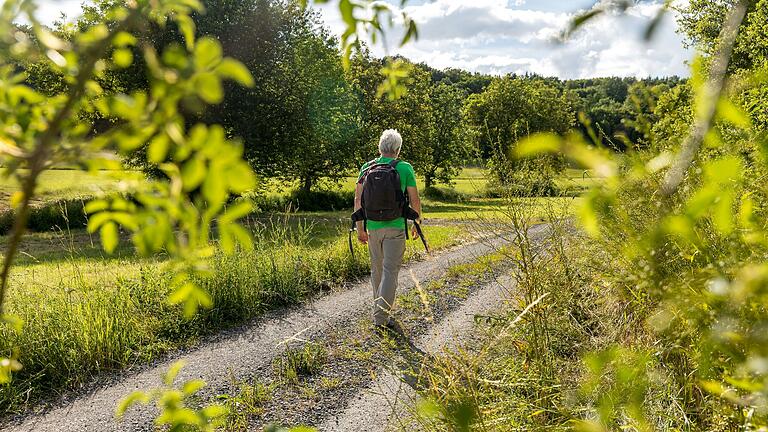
point(368, 165)
point(393, 163)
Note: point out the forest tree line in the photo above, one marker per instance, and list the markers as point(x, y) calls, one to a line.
point(307, 118)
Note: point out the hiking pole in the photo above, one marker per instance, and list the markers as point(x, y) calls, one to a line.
point(357, 216)
point(411, 214)
point(421, 236)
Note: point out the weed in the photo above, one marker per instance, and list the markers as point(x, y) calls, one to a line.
point(248, 401)
point(308, 359)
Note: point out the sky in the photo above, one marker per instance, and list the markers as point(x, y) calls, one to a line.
point(503, 36)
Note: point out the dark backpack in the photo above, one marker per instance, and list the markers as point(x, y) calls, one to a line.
point(383, 197)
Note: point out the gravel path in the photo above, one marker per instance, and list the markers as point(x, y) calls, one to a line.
point(240, 354)
point(379, 407)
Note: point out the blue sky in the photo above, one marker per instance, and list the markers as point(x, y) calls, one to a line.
point(501, 36)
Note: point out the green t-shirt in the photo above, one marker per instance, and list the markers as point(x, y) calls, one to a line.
point(407, 179)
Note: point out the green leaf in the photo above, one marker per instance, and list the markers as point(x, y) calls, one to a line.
point(193, 386)
point(724, 170)
point(208, 53)
point(241, 178)
point(123, 39)
point(15, 322)
point(411, 33)
point(214, 411)
point(242, 235)
point(538, 144)
point(137, 397)
point(347, 14)
point(237, 211)
point(209, 88)
point(187, 28)
point(226, 241)
point(96, 221)
point(214, 189)
point(109, 237)
point(193, 173)
point(122, 57)
point(723, 215)
point(173, 372)
point(588, 215)
point(96, 205)
point(158, 149)
point(233, 69)
point(734, 114)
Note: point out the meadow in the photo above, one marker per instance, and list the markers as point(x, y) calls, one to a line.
point(86, 312)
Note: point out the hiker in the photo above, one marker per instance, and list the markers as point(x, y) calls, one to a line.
point(384, 228)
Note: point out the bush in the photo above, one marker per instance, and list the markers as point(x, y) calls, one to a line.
point(65, 213)
point(444, 194)
point(524, 184)
point(306, 201)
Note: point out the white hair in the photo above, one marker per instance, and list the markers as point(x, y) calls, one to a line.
point(390, 142)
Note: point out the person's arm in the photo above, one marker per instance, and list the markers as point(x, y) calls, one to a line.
point(413, 197)
point(362, 236)
point(415, 200)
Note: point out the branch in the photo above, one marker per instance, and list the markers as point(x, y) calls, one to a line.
point(712, 92)
point(37, 160)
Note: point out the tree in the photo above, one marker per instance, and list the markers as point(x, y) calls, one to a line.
point(326, 122)
point(449, 142)
point(702, 20)
point(411, 114)
point(297, 122)
point(639, 109)
point(511, 109)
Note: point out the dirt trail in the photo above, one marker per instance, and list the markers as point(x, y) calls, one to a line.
point(380, 406)
point(240, 354)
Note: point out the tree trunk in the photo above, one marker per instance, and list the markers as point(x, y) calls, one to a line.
point(428, 181)
point(306, 183)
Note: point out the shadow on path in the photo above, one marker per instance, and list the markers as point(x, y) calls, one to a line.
point(412, 362)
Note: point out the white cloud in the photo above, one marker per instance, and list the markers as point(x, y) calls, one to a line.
point(51, 10)
point(500, 36)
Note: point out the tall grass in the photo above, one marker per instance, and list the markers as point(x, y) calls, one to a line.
point(580, 335)
point(526, 372)
point(82, 325)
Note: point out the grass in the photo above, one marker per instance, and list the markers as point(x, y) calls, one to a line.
point(86, 313)
point(300, 378)
point(248, 401)
point(573, 342)
point(69, 184)
point(300, 361)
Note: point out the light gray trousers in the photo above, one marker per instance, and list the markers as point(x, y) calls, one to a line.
point(387, 246)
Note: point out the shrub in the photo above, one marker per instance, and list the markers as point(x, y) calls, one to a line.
point(324, 200)
point(64, 213)
point(524, 184)
point(444, 194)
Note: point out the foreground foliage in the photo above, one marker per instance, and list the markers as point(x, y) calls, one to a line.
point(658, 321)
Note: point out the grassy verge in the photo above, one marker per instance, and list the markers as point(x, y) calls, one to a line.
point(85, 314)
point(575, 340)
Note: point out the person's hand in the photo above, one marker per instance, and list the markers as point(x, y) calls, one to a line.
point(362, 236)
point(414, 232)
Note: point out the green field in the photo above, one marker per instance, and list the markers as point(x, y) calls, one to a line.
point(69, 184)
point(86, 312)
